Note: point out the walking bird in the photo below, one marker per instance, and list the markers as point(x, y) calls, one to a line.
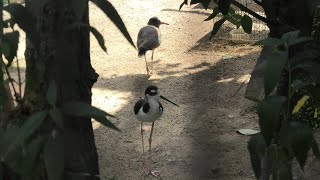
point(149, 38)
point(149, 109)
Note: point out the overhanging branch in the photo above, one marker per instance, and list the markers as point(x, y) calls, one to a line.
point(254, 14)
point(258, 2)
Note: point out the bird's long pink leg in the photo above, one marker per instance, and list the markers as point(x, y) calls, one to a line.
point(148, 71)
point(142, 138)
point(152, 172)
point(150, 138)
point(152, 60)
point(145, 166)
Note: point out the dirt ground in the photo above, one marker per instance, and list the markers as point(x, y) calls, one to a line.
point(196, 141)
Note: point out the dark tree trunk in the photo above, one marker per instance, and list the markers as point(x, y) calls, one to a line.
point(290, 15)
point(63, 56)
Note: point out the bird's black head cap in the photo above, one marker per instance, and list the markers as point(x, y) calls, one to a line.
point(151, 90)
point(154, 21)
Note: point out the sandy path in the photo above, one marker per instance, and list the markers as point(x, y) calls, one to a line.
point(193, 142)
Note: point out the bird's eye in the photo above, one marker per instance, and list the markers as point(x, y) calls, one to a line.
point(152, 93)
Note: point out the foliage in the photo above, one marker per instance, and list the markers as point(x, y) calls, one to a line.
point(227, 12)
point(32, 144)
point(286, 119)
point(285, 136)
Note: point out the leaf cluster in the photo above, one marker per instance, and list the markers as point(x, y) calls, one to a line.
point(282, 137)
point(32, 146)
point(225, 9)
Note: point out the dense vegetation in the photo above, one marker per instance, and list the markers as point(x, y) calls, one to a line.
point(291, 79)
point(46, 132)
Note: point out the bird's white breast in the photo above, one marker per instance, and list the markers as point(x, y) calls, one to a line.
point(149, 37)
point(154, 113)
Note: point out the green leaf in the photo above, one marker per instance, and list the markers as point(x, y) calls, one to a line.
point(274, 42)
point(113, 15)
point(54, 157)
point(204, 3)
point(99, 38)
point(269, 113)
point(248, 132)
point(185, 2)
point(234, 21)
point(57, 116)
point(10, 46)
point(232, 12)
point(80, 109)
point(315, 148)
point(21, 16)
point(275, 64)
point(52, 93)
point(30, 125)
point(282, 171)
point(246, 23)
point(299, 137)
point(257, 147)
point(217, 25)
point(213, 15)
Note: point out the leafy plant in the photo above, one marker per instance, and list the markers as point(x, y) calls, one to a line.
point(289, 110)
point(227, 12)
point(286, 138)
point(32, 143)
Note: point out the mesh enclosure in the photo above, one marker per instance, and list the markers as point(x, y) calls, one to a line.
point(228, 31)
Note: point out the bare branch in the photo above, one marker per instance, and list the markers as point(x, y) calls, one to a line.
point(258, 2)
point(254, 14)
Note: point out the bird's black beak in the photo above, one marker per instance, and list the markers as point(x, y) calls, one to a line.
point(169, 101)
point(163, 23)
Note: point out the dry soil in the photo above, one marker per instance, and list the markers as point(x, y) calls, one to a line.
point(196, 141)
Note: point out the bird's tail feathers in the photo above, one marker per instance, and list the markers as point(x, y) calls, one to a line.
point(142, 52)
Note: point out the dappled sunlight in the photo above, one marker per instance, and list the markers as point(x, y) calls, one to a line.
point(244, 79)
point(110, 101)
point(225, 80)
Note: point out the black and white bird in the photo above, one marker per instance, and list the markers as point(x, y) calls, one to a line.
point(149, 38)
point(149, 109)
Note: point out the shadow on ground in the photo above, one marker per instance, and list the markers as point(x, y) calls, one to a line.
point(196, 139)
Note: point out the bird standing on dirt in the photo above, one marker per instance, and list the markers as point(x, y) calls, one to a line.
point(149, 109)
point(149, 38)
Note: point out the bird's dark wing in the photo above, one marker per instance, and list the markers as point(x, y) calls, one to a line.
point(146, 107)
point(148, 37)
point(138, 105)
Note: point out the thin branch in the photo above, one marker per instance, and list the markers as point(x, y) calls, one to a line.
point(258, 2)
point(254, 14)
point(19, 79)
point(11, 81)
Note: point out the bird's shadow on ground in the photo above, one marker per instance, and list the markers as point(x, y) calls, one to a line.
point(201, 106)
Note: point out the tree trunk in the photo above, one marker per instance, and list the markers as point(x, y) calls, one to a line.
point(63, 56)
point(7, 104)
point(291, 15)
